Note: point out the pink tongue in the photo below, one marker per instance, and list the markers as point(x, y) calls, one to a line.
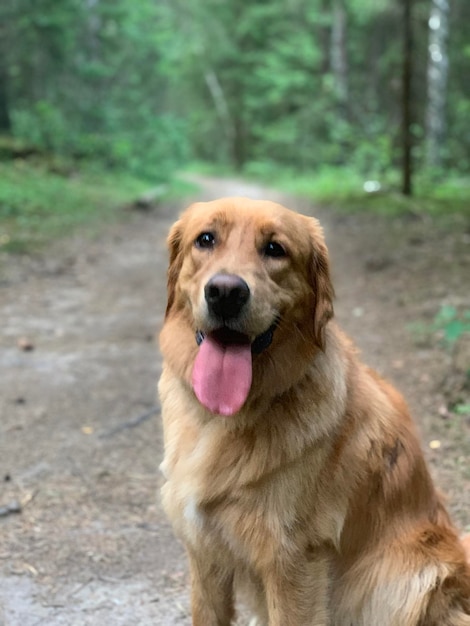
point(222, 376)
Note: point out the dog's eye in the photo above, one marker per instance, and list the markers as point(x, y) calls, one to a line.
point(205, 240)
point(274, 249)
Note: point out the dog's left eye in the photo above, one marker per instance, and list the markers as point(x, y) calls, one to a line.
point(205, 240)
point(274, 249)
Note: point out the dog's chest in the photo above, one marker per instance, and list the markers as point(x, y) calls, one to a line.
point(195, 520)
point(236, 492)
point(253, 523)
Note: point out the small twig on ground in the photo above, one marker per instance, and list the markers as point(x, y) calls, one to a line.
point(137, 421)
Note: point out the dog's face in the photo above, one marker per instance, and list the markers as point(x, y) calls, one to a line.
point(241, 273)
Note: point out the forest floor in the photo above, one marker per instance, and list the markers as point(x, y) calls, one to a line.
point(83, 539)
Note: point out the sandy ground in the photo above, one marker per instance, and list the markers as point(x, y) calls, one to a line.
point(83, 540)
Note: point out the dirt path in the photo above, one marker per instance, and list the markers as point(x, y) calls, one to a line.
point(80, 438)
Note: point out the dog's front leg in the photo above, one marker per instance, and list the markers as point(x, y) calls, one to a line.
point(212, 601)
point(297, 595)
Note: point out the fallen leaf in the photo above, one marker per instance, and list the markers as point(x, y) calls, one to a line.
point(31, 569)
point(27, 498)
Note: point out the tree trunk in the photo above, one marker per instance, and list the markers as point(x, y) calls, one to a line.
point(407, 165)
point(5, 121)
point(94, 27)
point(222, 108)
point(338, 53)
point(437, 81)
point(239, 144)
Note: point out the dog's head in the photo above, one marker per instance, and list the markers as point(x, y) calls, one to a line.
point(244, 274)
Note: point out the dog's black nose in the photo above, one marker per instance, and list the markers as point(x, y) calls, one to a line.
point(226, 295)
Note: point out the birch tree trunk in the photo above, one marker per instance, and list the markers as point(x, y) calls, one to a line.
point(407, 138)
point(94, 25)
point(222, 107)
point(438, 63)
point(338, 53)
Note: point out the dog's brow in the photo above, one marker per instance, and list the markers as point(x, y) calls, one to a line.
point(214, 222)
point(270, 229)
point(220, 219)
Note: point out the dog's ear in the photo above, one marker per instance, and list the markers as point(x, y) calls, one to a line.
point(176, 261)
point(320, 281)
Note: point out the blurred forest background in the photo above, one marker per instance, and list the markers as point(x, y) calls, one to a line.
point(101, 99)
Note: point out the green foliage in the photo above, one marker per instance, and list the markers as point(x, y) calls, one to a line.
point(42, 125)
point(143, 87)
point(462, 409)
point(84, 81)
point(449, 324)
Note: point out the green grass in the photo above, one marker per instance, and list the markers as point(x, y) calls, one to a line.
point(344, 188)
point(206, 168)
point(448, 325)
point(37, 205)
point(441, 194)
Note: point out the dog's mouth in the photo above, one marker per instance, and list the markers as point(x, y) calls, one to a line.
point(222, 371)
point(228, 337)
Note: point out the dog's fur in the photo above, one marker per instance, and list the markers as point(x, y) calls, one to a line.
point(315, 497)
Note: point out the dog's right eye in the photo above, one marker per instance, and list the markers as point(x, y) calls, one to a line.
point(205, 240)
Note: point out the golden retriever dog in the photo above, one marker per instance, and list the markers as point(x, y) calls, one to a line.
point(294, 474)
